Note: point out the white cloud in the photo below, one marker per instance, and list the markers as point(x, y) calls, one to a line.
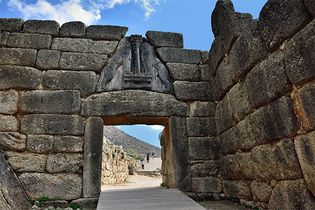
point(87, 11)
point(156, 127)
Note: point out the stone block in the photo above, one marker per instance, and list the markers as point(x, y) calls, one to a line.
point(237, 189)
point(273, 25)
point(70, 80)
point(223, 116)
point(181, 71)
point(206, 184)
point(194, 91)
point(17, 56)
point(3, 38)
point(106, 32)
point(310, 6)
point(165, 39)
point(68, 144)
point(82, 61)
point(177, 55)
point(133, 103)
point(33, 41)
point(230, 141)
point(19, 77)
point(202, 109)
point(11, 24)
point(58, 186)
point(48, 59)
point(92, 166)
point(43, 101)
point(261, 191)
point(86, 203)
point(84, 45)
point(205, 57)
point(291, 194)
point(307, 105)
point(40, 143)
point(73, 29)
point(49, 27)
point(8, 123)
point(203, 148)
point(305, 149)
point(201, 126)
point(267, 81)
point(26, 162)
point(52, 124)
point(12, 141)
point(230, 169)
point(205, 168)
point(9, 102)
point(204, 73)
point(63, 162)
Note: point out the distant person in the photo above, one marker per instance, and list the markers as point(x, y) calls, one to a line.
point(142, 164)
point(148, 157)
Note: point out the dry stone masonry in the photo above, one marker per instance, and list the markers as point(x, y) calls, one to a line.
point(239, 120)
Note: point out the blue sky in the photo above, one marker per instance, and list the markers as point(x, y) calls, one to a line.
point(190, 17)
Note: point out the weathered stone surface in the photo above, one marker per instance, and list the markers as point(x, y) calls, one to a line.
point(68, 144)
point(267, 81)
point(205, 168)
point(202, 109)
point(177, 55)
point(8, 102)
point(310, 6)
point(133, 103)
point(291, 194)
point(307, 100)
point(33, 41)
point(305, 149)
point(70, 80)
point(52, 124)
point(26, 162)
point(49, 27)
point(8, 123)
point(12, 141)
point(192, 90)
point(237, 189)
point(11, 24)
point(59, 186)
point(48, 59)
point(56, 204)
point(205, 57)
point(92, 166)
point(261, 191)
point(84, 45)
point(12, 195)
point(82, 61)
point(40, 143)
point(230, 141)
point(280, 20)
point(43, 101)
point(86, 203)
point(203, 148)
point(3, 38)
point(72, 29)
point(165, 39)
point(179, 138)
point(206, 184)
point(204, 73)
point(180, 71)
point(19, 77)
point(201, 126)
point(16, 56)
point(106, 32)
point(224, 116)
point(63, 162)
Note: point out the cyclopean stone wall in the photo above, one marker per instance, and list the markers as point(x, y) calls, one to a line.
point(262, 76)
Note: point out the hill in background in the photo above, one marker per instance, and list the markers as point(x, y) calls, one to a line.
point(134, 147)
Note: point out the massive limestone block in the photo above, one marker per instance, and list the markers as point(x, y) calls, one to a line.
point(33, 41)
point(8, 123)
point(84, 45)
point(106, 32)
point(43, 101)
point(310, 6)
point(177, 55)
point(40, 143)
point(307, 98)
point(19, 77)
point(75, 29)
point(11, 24)
point(223, 115)
point(63, 162)
point(48, 59)
point(186, 72)
point(205, 168)
point(12, 141)
point(305, 149)
point(190, 91)
point(135, 66)
point(203, 148)
point(204, 126)
point(133, 103)
point(165, 39)
point(261, 191)
point(291, 194)
point(49, 27)
point(70, 80)
point(17, 56)
point(52, 124)
point(237, 189)
point(12, 195)
point(202, 109)
point(58, 186)
point(8, 102)
point(27, 162)
point(68, 144)
point(206, 184)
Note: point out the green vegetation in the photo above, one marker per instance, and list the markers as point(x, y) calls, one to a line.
point(41, 200)
point(74, 206)
point(132, 153)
